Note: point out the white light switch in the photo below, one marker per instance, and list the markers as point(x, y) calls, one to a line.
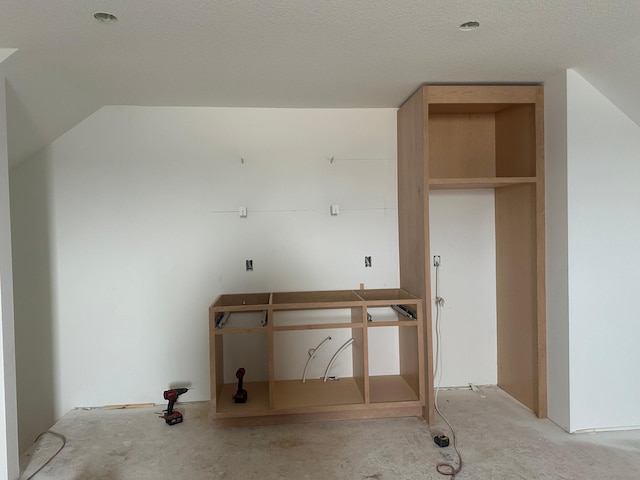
point(243, 212)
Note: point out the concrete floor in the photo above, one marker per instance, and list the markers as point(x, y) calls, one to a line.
point(498, 439)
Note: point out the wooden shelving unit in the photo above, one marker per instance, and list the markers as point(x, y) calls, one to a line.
point(299, 317)
point(482, 137)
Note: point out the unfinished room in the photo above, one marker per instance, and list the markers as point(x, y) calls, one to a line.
point(295, 239)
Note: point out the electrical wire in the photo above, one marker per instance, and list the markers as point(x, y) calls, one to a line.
point(64, 442)
point(446, 469)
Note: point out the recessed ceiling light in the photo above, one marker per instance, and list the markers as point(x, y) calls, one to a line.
point(105, 17)
point(466, 26)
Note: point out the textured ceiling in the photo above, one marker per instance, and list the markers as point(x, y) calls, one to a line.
point(312, 53)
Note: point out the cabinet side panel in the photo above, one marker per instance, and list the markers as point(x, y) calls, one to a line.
point(516, 281)
point(462, 145)
point(409, 359)
point(413, 223)
point(411, 194)
point(541, 232)
point(516, 141)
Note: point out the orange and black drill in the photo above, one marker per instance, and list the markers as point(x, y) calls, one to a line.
point(170, 415)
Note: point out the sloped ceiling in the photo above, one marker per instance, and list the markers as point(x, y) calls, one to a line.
point(301, 53)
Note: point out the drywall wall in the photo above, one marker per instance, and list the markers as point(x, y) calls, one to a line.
point(32, 213)
point(462, 233)
point(555, 91)
point(9, 466)
point(603, 172)
point(140, 208)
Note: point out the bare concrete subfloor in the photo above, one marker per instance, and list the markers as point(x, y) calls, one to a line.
point(498, 439)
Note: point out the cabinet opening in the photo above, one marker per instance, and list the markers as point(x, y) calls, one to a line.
point(302, 359)
point(251, 352)
point(394, 364)
point(482, 140)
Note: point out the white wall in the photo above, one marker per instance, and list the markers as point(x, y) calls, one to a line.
point(9, 466)
point(604, 259)
point(141, 209)
point(462, 230)
point(555, 91)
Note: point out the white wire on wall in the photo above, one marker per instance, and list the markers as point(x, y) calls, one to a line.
point(446, 469)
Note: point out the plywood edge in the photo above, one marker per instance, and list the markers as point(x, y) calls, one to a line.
point(370, 412)
point(482, 93)
point(541, 257)
point(474, 183)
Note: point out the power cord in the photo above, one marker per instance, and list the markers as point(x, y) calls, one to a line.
point(444, 468)
point(64, 442)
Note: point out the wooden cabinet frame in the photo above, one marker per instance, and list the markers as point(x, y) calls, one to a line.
point(482, 137)
point(361, 396)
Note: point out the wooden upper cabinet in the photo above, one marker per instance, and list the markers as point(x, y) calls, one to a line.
point(481, 132)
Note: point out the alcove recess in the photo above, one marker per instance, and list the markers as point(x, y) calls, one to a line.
point(465, 136)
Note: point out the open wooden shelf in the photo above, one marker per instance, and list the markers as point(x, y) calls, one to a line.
point(292, 319)
point(487, 182)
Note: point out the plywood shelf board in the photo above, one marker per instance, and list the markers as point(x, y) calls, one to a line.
point(257, 398)
point(487, 182)
point(291, 394)
point(391, 388)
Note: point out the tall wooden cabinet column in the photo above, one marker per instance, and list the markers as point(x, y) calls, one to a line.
point(482, 137)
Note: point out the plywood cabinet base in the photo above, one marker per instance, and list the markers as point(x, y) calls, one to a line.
point(253, 329)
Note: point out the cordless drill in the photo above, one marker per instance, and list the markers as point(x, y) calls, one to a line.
point(241, 394)
point(170, 416)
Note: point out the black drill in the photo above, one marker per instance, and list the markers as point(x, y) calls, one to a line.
point(170, 416)
point(241, 395)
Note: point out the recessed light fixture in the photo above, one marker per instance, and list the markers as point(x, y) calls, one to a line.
point(466, 26)
point(105, 17)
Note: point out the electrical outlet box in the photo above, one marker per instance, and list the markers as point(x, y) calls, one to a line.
point(436, 260)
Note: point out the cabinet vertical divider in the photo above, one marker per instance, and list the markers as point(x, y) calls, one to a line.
point(365, 353)
point(272, 368)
